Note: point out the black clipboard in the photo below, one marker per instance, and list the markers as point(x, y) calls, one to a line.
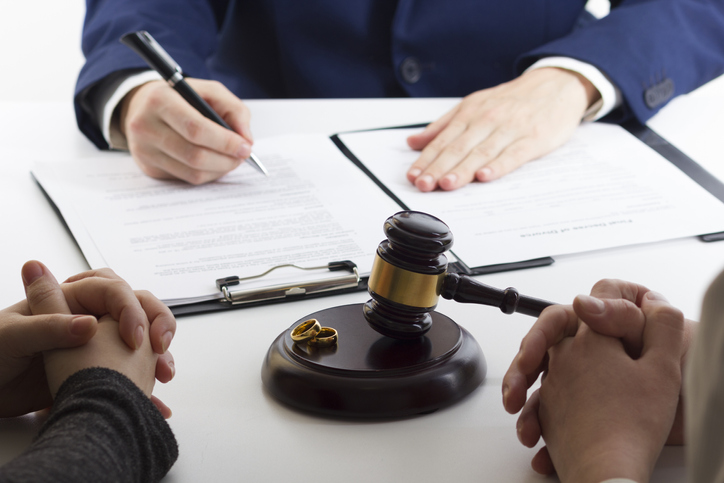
point(640, 131)
point(687, 165)
point(233, 295)
point(457, 266)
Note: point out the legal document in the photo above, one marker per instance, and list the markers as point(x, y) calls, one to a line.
point(603, 189)
point(175, 239)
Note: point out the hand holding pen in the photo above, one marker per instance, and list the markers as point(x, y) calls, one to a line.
point(181, 136)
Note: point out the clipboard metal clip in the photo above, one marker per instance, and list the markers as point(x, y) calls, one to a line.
point(349, 280)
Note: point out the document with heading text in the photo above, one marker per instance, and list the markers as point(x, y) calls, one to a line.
point(175, 239)
point(603, 189)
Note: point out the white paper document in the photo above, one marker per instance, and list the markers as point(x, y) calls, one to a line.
point(175, 239)
point(603, 189)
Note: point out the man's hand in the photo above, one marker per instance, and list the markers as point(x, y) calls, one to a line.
point(614, 310)
point(169, 138)
point(604, 414)
point(494, 131)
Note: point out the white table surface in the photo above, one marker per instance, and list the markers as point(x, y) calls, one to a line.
point(229, 429)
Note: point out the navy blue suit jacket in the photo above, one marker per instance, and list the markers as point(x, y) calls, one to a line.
point(652, 50)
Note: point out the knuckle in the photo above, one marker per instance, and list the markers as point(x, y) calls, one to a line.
point(143, 294)
point(155, 97)
point(232, 145)
point(107, 273)
point(536, 131)
point(671, 314)
point(40, 295)
point(475, 98)
point(483, 151)
point(605, 283)
point(435, 146)
point(192, 130)
point(458, 150)
point(136, 125)
point(492, 115)
point(214, 84)
point(196, 177)
point(195, 156)
point(458, 124)
point(148, 169)
point(115, 285)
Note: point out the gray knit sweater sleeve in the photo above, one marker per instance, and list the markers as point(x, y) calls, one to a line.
point(101, 428)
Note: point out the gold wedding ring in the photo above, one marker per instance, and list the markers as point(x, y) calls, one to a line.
point(307, 330)
point(327, 337)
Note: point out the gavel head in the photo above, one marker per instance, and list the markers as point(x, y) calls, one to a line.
point(407, 275)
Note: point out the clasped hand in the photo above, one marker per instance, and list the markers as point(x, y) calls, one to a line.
point(69, 325)
point(611, 389)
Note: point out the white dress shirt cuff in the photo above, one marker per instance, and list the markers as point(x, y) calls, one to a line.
point(610, 95)
point(111, 129)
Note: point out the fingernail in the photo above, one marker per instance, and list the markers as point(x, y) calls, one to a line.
point(82, 324)
point(414, 172)
point(31, 272)
point(424, 183)
point(449, 180)
point(519, 430)
point(166, 341)
point(655, 296)
point(138, 337)
point(244, 151)
point(506, 390)
point(484, 174)
point(172, 366)
point(592, 305)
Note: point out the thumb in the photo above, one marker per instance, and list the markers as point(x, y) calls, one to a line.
point(619, 318)
point(42, 290)
point(664, 331)
point(38, 333)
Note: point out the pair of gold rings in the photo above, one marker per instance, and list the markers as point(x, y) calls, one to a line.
point(312, 332)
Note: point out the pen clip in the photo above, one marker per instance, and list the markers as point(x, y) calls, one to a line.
point(349, 280)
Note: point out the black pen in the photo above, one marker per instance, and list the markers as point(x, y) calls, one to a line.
point(158, 59)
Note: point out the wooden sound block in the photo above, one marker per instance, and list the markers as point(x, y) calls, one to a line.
point(368, 375)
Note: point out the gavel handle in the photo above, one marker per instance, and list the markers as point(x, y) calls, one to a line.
point(467, 290)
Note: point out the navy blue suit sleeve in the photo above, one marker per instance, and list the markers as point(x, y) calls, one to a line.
point(187, 29)
point(652, 50)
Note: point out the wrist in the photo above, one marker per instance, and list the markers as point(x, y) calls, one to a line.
point(571, 87)
point(591, 94)
point(610, 96)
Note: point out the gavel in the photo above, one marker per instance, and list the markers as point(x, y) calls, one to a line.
point(409, 274)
